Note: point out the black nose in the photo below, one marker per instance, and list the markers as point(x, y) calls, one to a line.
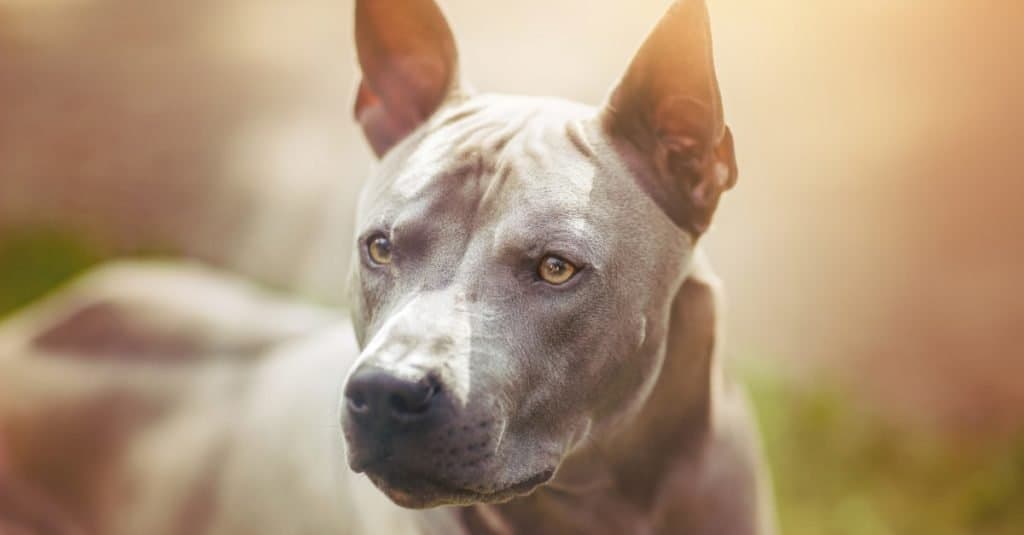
point(376, 396)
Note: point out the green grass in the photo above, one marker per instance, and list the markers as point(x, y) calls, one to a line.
point(838, 468)
point(32, 262)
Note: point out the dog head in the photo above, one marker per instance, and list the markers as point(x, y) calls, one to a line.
point(516, 257)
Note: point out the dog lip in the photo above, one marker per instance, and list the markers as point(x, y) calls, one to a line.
point(419, 481)
point(531, 482)
point(363, 463)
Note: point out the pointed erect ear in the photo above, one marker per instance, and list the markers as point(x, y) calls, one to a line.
point(410, 65)
point(668, 108)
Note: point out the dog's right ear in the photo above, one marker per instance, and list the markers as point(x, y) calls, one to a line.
point(410, 66)
point(668, 107)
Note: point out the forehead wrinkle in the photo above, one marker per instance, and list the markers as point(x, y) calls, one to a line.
point(464, 146)
point(492, 191)
point(490, 129)
point(494, 148)
point(484, 163)
point(577, 136)
point(453, 150)
point(540, 191)
point(482, 129)
point(488, 135)
point(514, 169)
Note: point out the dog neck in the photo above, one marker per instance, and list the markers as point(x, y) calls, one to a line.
point(621, 476)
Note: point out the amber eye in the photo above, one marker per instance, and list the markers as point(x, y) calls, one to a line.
point(555, 270)
point(379, 249)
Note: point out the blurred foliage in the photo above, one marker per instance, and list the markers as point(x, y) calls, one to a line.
point(32, 262)
point(838, 468)
point(841, 469)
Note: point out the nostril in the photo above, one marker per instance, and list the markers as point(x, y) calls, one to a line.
point(375, 396)
point(414, 400)
point(357, 402)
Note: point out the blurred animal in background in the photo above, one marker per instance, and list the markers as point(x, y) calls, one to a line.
point(532, 345)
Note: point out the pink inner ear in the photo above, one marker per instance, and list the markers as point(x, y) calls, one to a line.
point(685, 124)
point(395, 100)
point(409, 61)
point(381, 129)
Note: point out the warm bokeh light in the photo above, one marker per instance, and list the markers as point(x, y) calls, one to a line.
point(873, 245)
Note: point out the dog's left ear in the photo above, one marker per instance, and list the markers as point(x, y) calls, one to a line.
point(410, 66)
point(668, 107)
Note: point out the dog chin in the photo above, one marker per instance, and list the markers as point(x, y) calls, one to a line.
point(424, 493)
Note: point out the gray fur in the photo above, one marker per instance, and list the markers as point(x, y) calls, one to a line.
point(597, 406)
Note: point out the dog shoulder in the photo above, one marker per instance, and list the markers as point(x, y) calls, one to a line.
point(145, 311)
point(81, 401)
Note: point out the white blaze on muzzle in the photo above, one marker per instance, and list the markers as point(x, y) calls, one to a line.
point(429, 335)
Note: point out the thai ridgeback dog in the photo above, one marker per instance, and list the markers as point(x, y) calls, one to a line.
point(532, 346)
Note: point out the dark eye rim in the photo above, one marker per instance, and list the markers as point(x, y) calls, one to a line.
point(578, 269)
point(367, 241)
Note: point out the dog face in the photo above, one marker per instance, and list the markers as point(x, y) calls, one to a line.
point(516, 257)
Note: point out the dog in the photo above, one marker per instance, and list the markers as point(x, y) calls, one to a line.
point(532, 345)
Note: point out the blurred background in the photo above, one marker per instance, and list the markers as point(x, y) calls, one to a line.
point(873, 250)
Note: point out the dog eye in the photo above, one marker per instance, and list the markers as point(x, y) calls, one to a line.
point(555, 270)
point(379, 249)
